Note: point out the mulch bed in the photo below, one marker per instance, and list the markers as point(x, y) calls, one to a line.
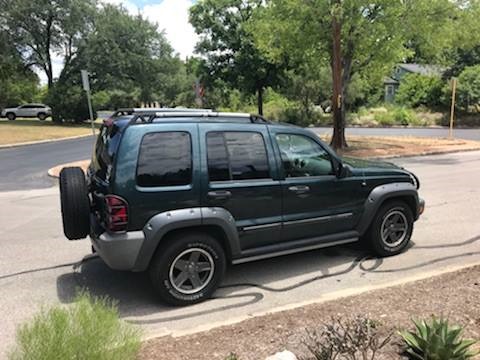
point(455, 295)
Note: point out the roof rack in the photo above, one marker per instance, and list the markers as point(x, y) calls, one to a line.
point(149, 117)
point(169, 110)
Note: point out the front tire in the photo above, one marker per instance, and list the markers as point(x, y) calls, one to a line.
point(187, 268)
point(42, 116)
point(11, 116)
point(391, 229)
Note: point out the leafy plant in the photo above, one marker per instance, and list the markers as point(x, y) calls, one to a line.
point(231, 356)
point(437, 340)
point(88, 329)
point(359, 338)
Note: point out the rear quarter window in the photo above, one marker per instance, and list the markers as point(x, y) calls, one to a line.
point(165, 159)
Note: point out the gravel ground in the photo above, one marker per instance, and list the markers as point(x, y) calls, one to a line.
point(455, 295)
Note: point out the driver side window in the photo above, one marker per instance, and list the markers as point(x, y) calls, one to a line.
point(301, 156)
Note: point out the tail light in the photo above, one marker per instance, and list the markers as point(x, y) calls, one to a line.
point(117, 213)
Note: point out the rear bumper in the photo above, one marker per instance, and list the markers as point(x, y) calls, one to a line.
point(119, 251)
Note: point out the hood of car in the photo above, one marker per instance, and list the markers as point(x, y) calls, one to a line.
point(363, 166)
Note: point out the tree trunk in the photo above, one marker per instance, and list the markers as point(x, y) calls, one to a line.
point(260, 100)
point(338, 138)
point(48, 58)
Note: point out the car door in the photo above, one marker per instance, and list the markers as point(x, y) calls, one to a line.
point(240, 175)
point(315, 201)
point(22, 111)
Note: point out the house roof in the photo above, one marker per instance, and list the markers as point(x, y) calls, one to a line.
point(389, 81)
point(423, 69)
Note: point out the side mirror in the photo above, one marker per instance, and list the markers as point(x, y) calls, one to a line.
point(343, 171)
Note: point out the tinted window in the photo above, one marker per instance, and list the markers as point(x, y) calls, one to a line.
point(302, 156)
point(236, 156)
point(165, 159)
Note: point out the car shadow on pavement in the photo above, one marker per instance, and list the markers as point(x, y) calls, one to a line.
point(243, 284)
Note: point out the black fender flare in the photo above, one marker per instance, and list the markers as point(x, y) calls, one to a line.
point(382, 193)
point(163, 223)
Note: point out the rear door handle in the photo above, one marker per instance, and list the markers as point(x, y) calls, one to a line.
point(299, 189)
point(219, 195)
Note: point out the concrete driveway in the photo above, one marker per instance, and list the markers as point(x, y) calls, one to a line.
point(39, 266)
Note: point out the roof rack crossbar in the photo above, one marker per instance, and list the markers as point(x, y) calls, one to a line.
point(147, 117)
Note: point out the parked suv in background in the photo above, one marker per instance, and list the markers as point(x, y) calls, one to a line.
point(183, 195)
point(27, 111)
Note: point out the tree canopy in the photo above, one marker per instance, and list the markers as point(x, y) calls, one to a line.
point(229, 49)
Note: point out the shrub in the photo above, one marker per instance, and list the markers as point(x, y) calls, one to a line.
point(384, 119)
point(416, 90)
point(88, 329)
point(69, 103)
point(231, 356)
point(436, 340)
point(403, 116)
point(353, 339)
point(469, 87)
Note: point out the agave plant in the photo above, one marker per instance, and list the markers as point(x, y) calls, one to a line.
point(437, 340)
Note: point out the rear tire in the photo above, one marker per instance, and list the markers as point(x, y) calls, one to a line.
point(187, 268)
point(75, 203)
point(11, 116)
point(391, 229)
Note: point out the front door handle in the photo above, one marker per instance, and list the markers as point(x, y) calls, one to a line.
point(219, 195)
point(299, 189)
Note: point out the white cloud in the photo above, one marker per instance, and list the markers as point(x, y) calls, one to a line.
point(172, 16)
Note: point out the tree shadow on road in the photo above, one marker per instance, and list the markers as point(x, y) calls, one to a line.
point(243, 285)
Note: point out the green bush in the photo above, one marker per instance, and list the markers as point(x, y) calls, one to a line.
point(403, 116)
point(469, 87)
point(68, 103)
point(384, 119)
point(89, 329)
point(437, 340)
point(416, 90)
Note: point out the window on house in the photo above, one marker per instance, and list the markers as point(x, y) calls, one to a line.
point(390, 90)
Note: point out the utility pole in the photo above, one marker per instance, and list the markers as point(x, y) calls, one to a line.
point(86, 87)
point(452, 109)
point(338, 138)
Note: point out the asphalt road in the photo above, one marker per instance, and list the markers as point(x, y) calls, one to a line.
point(468, 134)
point(25, 167)
point(39, 266)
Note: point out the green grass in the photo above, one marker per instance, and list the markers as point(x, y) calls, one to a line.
point(25, 130)
point(88, 329)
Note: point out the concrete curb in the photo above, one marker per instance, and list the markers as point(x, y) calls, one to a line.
point(7, 146)
point(51, 171)
point(328, 297)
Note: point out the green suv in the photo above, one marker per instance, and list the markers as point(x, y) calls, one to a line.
point(184, 194)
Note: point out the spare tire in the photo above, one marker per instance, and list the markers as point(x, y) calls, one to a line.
point(75, 203)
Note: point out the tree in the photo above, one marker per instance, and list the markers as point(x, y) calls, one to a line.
point(18, 84)
point(416, 90)
point(469, 87)
point(43, 28)
point(229, 48)
point(139, 56)
point(356, 37)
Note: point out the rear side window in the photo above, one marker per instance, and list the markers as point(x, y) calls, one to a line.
point(165, 159)
point(236, 156)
